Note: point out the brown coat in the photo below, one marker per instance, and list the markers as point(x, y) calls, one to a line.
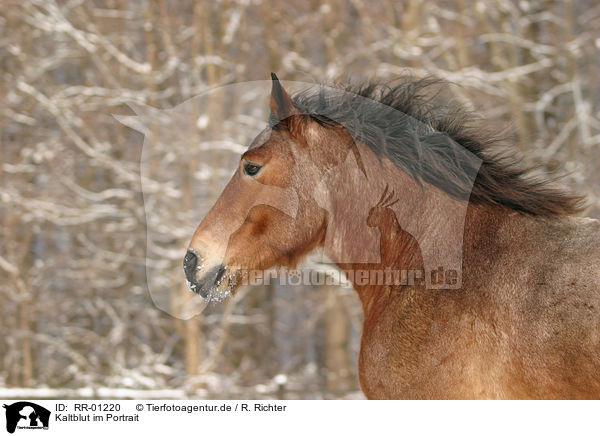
point(526, 323)
point(525, 320)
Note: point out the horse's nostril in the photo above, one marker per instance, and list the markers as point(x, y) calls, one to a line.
point(190, 262)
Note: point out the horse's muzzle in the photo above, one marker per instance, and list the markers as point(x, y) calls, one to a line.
point(198, 281)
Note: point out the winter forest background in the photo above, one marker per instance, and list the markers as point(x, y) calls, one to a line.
point(76, 317)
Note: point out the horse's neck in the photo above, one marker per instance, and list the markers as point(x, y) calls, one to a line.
point(434, 227)
point(486, 230)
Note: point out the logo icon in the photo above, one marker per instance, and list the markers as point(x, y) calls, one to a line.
point(26, 415)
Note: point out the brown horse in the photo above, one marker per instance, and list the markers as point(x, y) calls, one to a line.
point(524, 318)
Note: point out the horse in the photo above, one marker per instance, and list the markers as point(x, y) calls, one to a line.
point(519, 317)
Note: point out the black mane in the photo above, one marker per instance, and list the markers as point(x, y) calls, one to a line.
point(427, 137)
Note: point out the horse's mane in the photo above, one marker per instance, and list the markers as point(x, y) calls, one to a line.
point(410, 123)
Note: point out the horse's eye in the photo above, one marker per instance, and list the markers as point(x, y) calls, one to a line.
point(251, 169)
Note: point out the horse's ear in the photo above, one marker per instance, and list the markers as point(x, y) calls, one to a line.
point(281, 103)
